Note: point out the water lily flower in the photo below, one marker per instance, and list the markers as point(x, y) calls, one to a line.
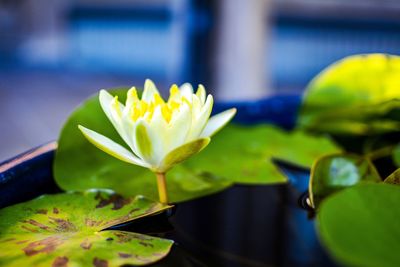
point(159, 134)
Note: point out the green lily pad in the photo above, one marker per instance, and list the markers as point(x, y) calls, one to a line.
point(243, 154)
point(67, 230)
point(357, 95)
point(335, 172)
point(359, 225)
point(235, 155)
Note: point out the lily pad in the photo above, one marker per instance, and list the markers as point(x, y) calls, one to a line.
point(69, 229)
point(243, 154)
point(335, 172)
point(235, 155)
point(357, 95)
point(359, 225)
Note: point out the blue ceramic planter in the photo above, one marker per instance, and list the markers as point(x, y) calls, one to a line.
point(242, 226)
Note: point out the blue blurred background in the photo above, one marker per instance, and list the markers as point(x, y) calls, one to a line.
point(53, 54)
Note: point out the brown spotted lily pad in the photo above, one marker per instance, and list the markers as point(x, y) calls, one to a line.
point(393, 178)
point(67, 230)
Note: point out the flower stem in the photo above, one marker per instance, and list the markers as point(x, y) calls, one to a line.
point(162, 187)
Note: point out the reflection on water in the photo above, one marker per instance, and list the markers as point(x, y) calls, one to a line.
point(249, 226)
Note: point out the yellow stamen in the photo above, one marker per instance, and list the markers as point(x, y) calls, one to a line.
point(132, 95)
point(143, 107)
point(173, 105)
point(173, 93)
point(166, 112)
point(174, 90)
point(150, 111)
point(158, 99)
point(135, 113)
point(140, 108)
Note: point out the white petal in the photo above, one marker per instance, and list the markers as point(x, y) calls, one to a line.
point(201, 94)
point(131, 98)
point(186, 91)
point(157, 130)
point(106, 102)
point(149, 91)
point(148, 142)
point(116, 109)
point(174, 94)
point(201, 119)
point(216, 122)
point(106, 99)
point(129, 128)
point(196, 105)
point(179, 127)
point(110, 147)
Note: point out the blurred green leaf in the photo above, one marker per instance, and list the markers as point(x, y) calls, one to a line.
point(243, 154)
point(358, 95)
point(396, 155)
point(235, 155)
point(359, 225)
point(70, 230)
point(335, 172)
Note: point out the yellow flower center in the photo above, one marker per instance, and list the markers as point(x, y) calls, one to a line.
point(140, 108)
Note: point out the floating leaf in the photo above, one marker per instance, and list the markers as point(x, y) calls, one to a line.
point(67, 230)
point(243, 154)
point(359, 225)
point(357, 95)
point(235, 155)
point(338, 171)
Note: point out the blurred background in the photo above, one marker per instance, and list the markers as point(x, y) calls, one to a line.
point(54, 54)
